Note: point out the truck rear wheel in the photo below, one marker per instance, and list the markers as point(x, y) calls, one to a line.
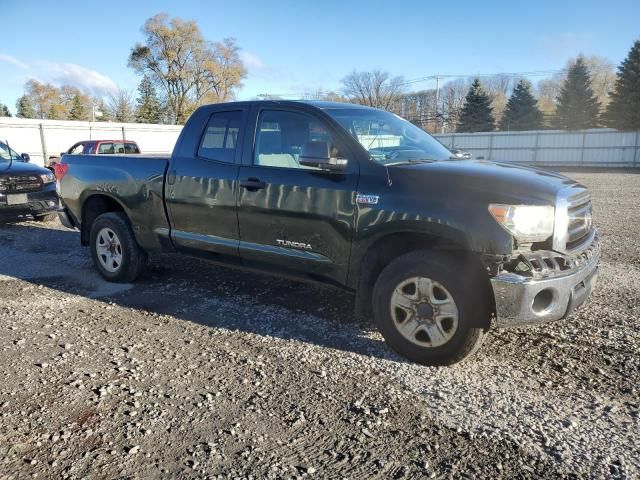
point(114, 249)
point(424, 303)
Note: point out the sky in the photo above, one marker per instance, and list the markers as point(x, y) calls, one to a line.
point(301, 45)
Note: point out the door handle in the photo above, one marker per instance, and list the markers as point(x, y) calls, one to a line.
point(253, 184)
point(171, 177)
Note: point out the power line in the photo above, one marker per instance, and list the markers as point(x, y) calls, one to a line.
point(532, 73)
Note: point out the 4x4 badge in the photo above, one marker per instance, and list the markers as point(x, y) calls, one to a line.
point(363, 199)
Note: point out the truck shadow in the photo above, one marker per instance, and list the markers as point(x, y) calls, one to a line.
point(193, 290)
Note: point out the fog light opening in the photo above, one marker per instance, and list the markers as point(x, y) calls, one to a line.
point(542, 301)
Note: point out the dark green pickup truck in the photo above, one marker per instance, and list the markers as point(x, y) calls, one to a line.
point(436, 249)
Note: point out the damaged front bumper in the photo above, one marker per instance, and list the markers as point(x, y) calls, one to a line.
point(549, 288)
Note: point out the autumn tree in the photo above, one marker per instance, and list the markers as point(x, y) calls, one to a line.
point(186, 68)
point(24, 108)
point(477, 114)
point(45, 99)
point(148, 109)
point(578, 107)
point(376, 89)
point(521, 112)
point(624, 110)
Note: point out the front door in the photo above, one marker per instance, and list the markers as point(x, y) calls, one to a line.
point(292, 217)
point(202, 187)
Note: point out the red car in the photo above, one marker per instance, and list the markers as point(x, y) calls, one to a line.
point(99, 147)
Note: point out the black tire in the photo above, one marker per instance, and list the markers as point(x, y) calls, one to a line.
point(462, 285)
point(48, 217)
point(134, 258)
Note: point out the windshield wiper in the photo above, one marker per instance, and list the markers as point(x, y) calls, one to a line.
point(413, 160)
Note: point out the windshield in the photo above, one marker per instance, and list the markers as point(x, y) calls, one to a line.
point(388, 138)
point(7, 154)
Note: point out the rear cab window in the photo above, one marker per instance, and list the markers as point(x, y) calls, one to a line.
point(220, 138)
point(131, 148)
point(106, 149)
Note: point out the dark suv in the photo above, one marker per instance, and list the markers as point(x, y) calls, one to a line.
point(25, 189)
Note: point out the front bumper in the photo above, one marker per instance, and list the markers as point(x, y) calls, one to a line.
point(38, 203)
point(529, 299)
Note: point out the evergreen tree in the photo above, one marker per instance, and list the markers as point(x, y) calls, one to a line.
point(4, 111)
point(522, 112)
point(78, 110)
point(577, 107)
point(477, 114)
point(25, 108)
point(624, 110)
point(104, 110)
point(148, 109)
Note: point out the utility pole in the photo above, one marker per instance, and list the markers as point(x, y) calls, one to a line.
point(437, 99)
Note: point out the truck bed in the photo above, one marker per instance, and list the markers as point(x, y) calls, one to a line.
point(135, 182)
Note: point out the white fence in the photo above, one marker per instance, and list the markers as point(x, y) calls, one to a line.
point(598, 147)
point(42, 138)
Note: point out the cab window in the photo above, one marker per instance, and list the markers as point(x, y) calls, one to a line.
point(281, 135)
point(106, 148)
point(221, 136)
point(131, 148)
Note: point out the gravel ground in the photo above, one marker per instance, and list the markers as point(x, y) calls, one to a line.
point(199, 371)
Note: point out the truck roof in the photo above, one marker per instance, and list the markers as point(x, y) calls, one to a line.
point(106, 140)
point(322, 104)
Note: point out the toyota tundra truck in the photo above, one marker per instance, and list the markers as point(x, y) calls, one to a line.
point(437, 250)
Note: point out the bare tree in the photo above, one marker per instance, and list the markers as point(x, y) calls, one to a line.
point(499, 88)
point(376, 89)
point(452, 100)
point(185, 67)
point(121, 106)
point(419, 108)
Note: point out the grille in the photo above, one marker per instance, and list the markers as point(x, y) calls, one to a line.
point(20, 184)
point(545, 263)
point(579, 219)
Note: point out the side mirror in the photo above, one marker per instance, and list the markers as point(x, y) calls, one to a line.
point(318, 154)
point(25, 157)
point(460, 155)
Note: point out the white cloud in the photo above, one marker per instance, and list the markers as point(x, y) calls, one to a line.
point(252, 61)
point(78, 76)
point(13, 61)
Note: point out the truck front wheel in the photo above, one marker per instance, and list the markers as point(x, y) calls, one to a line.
point(114, 249)
point(424, 303)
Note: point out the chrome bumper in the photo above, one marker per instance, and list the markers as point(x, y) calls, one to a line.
point(524, 300)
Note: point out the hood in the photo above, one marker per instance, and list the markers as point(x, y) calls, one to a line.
point(21, 168)
point(495, 182)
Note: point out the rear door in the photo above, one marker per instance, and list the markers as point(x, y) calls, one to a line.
point(295, 218)
point(202, 183)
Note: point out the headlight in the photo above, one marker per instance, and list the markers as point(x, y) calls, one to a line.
point(527, 223)
point(47, 178)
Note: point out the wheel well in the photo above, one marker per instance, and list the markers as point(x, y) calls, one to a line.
point(384, 250)
point(93, 207)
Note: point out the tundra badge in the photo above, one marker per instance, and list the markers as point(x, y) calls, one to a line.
point(289, 243)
